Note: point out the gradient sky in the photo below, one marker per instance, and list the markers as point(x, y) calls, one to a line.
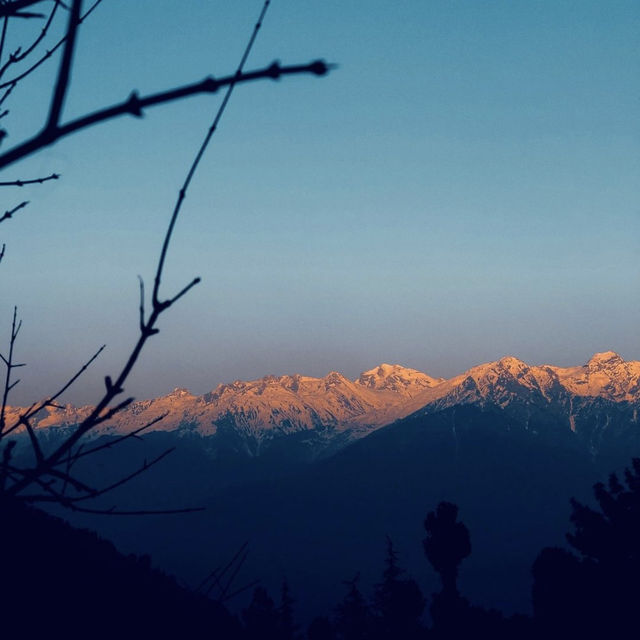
point(463, 187)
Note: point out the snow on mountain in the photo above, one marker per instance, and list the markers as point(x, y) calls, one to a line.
point(510, 381)
point(393, 377)
point(606, 375)
point(278, 405)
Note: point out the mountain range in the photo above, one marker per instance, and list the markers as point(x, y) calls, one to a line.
point(314, 472)
point(327, 413)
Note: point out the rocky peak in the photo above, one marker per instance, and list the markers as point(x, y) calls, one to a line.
point(394, 377)
point(605, 359)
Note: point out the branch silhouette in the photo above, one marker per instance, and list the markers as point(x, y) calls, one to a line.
point(52, 476)
point(135, 105)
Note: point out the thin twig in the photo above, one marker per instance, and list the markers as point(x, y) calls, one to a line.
point(51, 399)
point(144, 467)
point(218, 577)
point(237, 592)
point(11, 83)
point(9, 214)
point(10, 365)
point(112, 443)
point(22, 183)
point(205, 143)
point(19, 54)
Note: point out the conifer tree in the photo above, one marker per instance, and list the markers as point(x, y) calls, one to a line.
point(597, 589)
point(287, 628)
point(321, 629)
point(353, 619)
point(398, 601)
point(260, 617)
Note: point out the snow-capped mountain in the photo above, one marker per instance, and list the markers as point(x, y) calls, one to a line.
point(510, 380)
point(336, 408)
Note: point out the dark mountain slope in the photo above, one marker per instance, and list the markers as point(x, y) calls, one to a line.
point(61, 582)
point(327, 521)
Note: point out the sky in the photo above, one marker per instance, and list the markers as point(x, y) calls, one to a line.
point(463, 187)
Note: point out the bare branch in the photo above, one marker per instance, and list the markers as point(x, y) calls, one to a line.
point(19, 54)
point(8, 362)
point(203, 147)
point(237, 592)
point(113, 511)
point(12, 83)
point(7, 93)
point(8, 214)
point(141, 303)
point(113, 443)
point(22, 183)
point(135, 105)
point(6, 459)
point(35, 445)
point(218, 577)
point(145, 465)
point(64, 71)
point(5, 23)
point(13, 9)
point(50, 400)
point(148, 329)
point(46, 472)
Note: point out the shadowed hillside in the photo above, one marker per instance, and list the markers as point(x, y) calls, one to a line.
point(58, 581)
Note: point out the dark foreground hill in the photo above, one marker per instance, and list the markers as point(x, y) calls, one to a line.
point(61, 582)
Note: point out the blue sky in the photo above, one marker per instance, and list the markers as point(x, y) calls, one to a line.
point(463, 187)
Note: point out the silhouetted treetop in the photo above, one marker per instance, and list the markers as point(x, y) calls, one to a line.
point(447, 543)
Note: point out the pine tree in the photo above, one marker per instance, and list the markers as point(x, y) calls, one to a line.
point(595, 589)
point(260, 617)
point(353, 619)
point(287, 628)
point(321, 629)
point(398, 601)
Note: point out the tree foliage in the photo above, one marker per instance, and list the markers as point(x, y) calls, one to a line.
point(596, 587)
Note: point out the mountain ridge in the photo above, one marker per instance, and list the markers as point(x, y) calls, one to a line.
point(336, 406)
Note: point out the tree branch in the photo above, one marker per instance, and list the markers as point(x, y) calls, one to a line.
point(19, 54)
point(15, 8)
point(9, 214)
point(64, 71)
point(12, 83)
point(22, 183)
point(68, 452)
point(9, 364)
point(135, 105)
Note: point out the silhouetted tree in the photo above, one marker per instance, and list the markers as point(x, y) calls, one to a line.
point(398, 601)
point(597, 589)
point(261, 617)
point(353, 615)
point(321, 629)
point(287, 628)
point(447, 544)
